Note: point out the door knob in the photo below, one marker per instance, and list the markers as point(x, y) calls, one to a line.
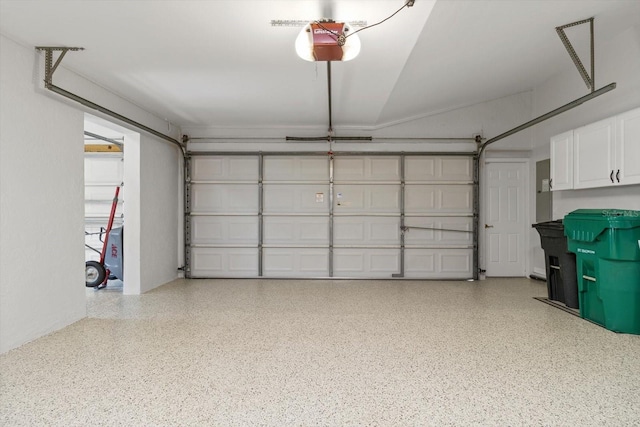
point(488, 226)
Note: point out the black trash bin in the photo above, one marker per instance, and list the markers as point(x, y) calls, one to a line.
point(562, 284)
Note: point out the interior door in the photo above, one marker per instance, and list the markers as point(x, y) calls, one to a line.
point(505, 218)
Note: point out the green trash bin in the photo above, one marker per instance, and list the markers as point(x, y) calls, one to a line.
point(607, 247)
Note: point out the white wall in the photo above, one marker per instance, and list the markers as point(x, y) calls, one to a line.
point(617, 60)
point(160, 202)
point(489, 118)
point(42, 198)
point(152, 220)
point(41, 205)
point(153, 197)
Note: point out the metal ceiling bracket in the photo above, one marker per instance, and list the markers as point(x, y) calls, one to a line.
point(50, 68)
point(589, 80)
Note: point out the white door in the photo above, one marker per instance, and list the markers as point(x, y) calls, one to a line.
point(505, 218)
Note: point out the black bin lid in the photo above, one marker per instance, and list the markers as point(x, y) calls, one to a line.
point(550, 228)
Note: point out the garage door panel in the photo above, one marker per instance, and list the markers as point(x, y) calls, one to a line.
point(367, 198)
point(296, 230)
point(297, 168)
point(103, 169)
point(416, 236)
point(455, 263)
point(367, 168)
point(366, 231)
point(456, 199)
point(438, 263)
point(421, 198)
point(218, 230)
point(456, 168)
point(296, 262)
point(428, 168)
point(224, 198)
point(292, 198)
point(361, 262)
point(220, 168)
point(103, 193)
point(101, 210)
point(224, 262)
point(420, 168)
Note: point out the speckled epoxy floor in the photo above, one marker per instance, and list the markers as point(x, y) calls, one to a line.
point(334, 353)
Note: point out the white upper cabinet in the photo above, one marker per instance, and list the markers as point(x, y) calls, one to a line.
point(600, 154)
point(594, 154)
point(562, 161)
point(628, 147)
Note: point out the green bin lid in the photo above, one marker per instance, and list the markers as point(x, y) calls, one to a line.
point(587, 224)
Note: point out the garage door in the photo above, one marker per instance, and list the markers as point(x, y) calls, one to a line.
point(224, 207)
point(438, 217)
point(103, 172)
point(296, 216)
point(367, 210)
point(314, 215)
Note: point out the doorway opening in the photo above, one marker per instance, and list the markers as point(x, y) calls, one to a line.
point(107, 173)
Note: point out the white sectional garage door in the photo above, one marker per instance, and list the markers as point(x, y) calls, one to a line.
point(313, 215)
point(103, 172)
point(224, 200)
point(296, 216)
point(439, 217)
point(367, 216)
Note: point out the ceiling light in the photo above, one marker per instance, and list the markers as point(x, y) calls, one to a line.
point(327, 41)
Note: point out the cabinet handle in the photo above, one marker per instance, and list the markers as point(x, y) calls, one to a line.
point(551, 184)
point(618, 175)
point(611, 176)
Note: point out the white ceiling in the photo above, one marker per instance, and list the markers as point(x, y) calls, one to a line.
point(221, 63)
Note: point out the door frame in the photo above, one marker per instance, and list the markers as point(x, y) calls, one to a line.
point(526, 235)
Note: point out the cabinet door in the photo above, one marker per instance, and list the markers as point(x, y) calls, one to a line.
point(594, 151)
point(628, 148)
point(562, 161)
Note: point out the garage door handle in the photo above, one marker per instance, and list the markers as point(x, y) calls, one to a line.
point(488, 226)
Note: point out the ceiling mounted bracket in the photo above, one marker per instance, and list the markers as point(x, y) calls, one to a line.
point(588, 79)
point(50, 67)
